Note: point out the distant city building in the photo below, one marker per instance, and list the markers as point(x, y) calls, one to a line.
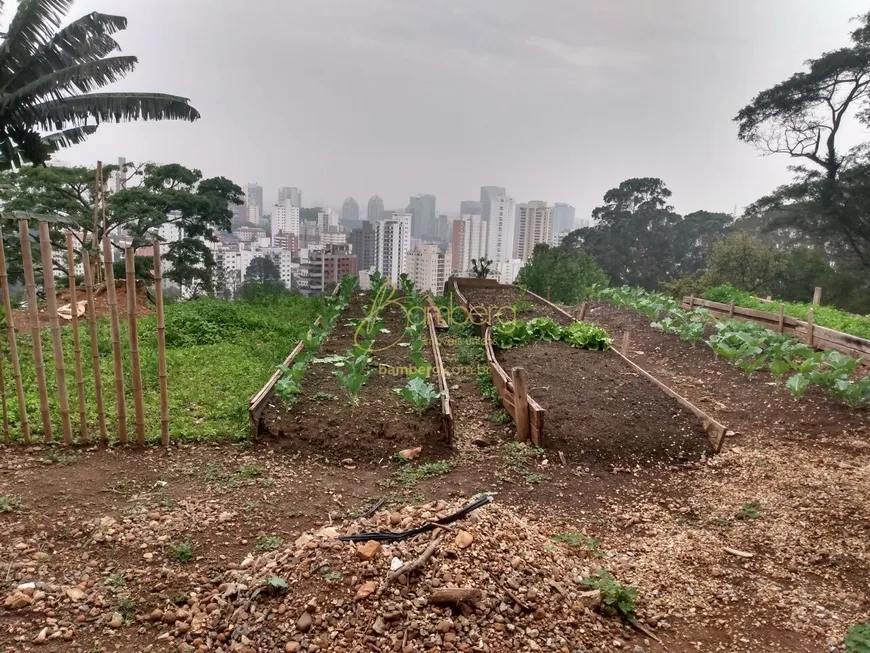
point(500, 233)
point(559, 237)
point(255, 212)
point(469, 207)
point(422, 208)
point(326, 219)
point(563, 218)
point(254, 197)
point(488, 194)
point(534, 226)
point(374, 209)
point(290, 193)
point(286, 240)
point(251, 234)
point(508, 271)
point(427, 269)
point(364, 242)
point(468, 242)
point(393, 245)
point(325, 267)
point(309, 234)
point(349, 210)
point(442, 231)
point(285, 218)
point(240, 214)
point(333, 236)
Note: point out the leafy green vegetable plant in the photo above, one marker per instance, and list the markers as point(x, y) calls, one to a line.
point(543, 328)
point(354, 375)
point(616, 596)
point(587, 336)
point(858, 638)
point(419, 394)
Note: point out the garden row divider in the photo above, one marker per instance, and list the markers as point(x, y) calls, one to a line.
point(440, 322)
point(258, 401)
point(715, 430)
point(814, 335)
point(446, 411)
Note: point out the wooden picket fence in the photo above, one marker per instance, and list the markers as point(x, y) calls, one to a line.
point(63, 399)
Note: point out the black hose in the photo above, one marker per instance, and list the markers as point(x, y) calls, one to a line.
point(404, 535)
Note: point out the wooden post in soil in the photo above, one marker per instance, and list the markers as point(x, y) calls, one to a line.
point(33, 307)
point(3, 399)
point(731, 309)
point(548, 294)
point(817, 296)
point(161, 346)
point(116, 341)
point(811, 327)
point(95, 351)
point(95, 236)
point(626, 339)
point(136, 371)
point(77, 346)
point(521, 404)
point(57, 343)
point(582, 312)
point(691, 302)
point(781, 326)
point(13, 344)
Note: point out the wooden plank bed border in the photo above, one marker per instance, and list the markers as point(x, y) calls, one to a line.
point(446, 412)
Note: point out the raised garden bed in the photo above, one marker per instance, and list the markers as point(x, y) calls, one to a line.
point(322, 420)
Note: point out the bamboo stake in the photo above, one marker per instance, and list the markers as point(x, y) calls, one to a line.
point(116, 341)
point(51, 309)
point(810, 326)
point(626, 339)
point(95, 350)
point(161, 346)
point(77, 347)
point(521, 404)
point(13, 344)
point(781, 326)
point(3, 399)
point(98, 198)
point(731, 310)
point(132, 319)
point(38, 362)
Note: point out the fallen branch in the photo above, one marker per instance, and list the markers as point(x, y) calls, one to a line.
point(738, 553)
point(414, 564)
point(454, 595)
point(517, 599)
point(646, 631)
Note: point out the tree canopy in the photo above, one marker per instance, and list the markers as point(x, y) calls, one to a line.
point(50, 78)
point(568, 273)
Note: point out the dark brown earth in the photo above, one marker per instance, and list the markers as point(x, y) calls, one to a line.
point(498, 303)
point(323, 421)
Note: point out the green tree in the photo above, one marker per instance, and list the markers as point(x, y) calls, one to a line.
point(747, 264)
point(480, 268)
point(804, 117)
point(262, 268)
point(50, 75)
point(568, 273)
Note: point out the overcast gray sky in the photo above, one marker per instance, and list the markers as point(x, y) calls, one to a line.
point(557, 100)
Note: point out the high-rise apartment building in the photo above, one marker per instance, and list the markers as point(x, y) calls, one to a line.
point(422, 207)
point(374, 209)
point(393, 245)
point(364, 241)
point(442, 227)
point(426, 267)
point(326, 219)
point(469, 207)
point(254, 197)
point(323, 268)
point(534, 226)
point(500, 231)
point(290, 193)
point(285, 218)
point(563, 218)
point(350, 210)
point(468, 242)
point(487, 195)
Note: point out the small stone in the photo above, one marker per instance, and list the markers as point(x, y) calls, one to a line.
point(365, 590)
point(17, 601)
point(411, 454)
point(516, 562)
point(368, 550)
point(445, 626)
point(591, 599)
point(225, 517)
point(291, 647)
point(395, 519)
point(75, 594)
point(116, 621)
point(169, 617)
point(328, 532)
point(379, 626)
point(42, 636)
point(464, 539)
point(156, 615)
point(304, 623)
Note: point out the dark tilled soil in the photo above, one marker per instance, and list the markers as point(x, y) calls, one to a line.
point(600, 414)
point(323, 421)
point(495, 300)
point(737, 400)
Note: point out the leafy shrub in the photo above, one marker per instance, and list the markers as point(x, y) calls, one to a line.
point(858, 639)
point(614, 595)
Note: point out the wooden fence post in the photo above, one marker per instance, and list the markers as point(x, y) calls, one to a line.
point(731, 310)
point(33, 307)
point(95, 234)
point(95, 350)
point(77, 347)
point(691, 302)
point(521, 404)
point(3, 399)
point(781, 326)
point(161, 346)
point(582, 312)
point(54, 322)
point(116, 341)
point(548, 294)
point(13, 344)
point(626, 339)
point(136, 371)
point(817, 296)
point(810, 326)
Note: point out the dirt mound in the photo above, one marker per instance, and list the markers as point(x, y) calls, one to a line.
point(526, 590)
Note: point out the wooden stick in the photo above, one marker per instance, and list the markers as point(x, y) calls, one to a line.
point(731, 309)
point(582, 312)
point(691, 302)
point(13, 344)
point(810, 326)
point(132, 318)
point(414, 564)
point(521, 404)
point(817, 296)
point(57, 343)
point(95, 350)
point(3, 399)
point(626, 341)
point(781, 326)
point(77, 348)
point(95, 235)
point(38, 362)
point(116, 341)
point(452, 596)
point(161, 346)
point(548, 293)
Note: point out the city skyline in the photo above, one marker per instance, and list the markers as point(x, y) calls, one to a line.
point(633, 89)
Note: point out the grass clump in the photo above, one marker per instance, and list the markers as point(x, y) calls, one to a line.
point(751, 510)
point(408, 475)
point(858, 639)
point(518, 455)
point(619, 598)
point(181, 553)
point(9, 504)
point(269, 542)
